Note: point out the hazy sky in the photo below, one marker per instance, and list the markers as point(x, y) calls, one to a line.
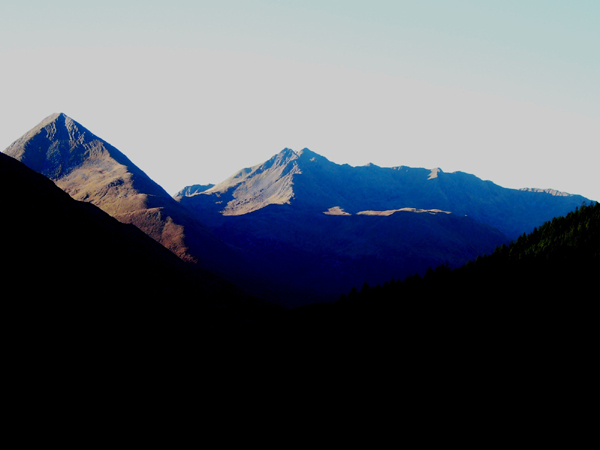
point(192, 91)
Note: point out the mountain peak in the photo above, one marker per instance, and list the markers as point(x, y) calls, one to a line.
point(79, 162)
point(92, 170)
point(53, 146)
point(56, 118)
point(308, 155)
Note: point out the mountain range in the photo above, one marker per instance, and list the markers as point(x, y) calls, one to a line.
point(96, 304)
point(298, 228)
point(310, 182)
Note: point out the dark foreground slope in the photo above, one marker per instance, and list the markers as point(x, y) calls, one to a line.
point(68, 263)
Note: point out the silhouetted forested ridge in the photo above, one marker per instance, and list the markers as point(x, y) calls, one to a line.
point(576, 234)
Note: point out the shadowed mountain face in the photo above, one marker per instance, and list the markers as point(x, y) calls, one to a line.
point(310, 257)
point(92, 170)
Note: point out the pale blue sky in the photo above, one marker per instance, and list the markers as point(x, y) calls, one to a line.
point(192, 91)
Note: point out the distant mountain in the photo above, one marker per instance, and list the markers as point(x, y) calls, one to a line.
point(90, 169)
point(310, 182)
point(318, 228)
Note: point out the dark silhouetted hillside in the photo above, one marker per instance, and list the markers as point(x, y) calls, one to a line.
point(68, 264)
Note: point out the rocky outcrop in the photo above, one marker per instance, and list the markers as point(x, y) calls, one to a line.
point(194, 189)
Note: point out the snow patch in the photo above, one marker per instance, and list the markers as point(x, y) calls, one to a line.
point(336, 211)
point(434, 173)
point(389, 212)
point(552, 192)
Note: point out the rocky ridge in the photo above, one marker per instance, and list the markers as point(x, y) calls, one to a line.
point(311, 182)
